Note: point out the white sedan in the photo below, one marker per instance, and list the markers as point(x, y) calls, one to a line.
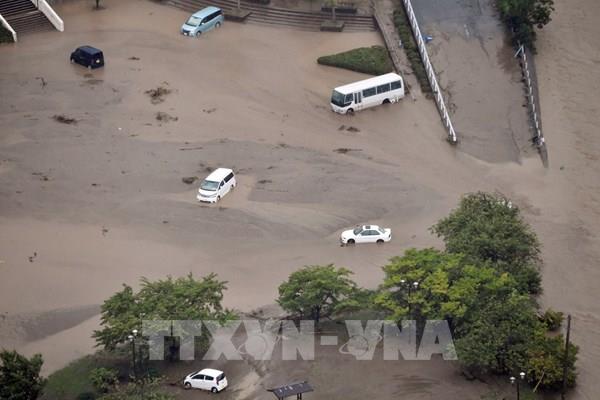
point(366, 234)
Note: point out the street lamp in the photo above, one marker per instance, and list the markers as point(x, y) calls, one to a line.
point(514, 380)
point(132, 340)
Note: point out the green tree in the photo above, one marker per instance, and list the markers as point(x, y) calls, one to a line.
point(183, 298)
point(318, 292)
point(449, 287)
point(523, 16)
point(546, 360)
point(489, 228)
point(20, 377)
point(104, 379)
point(497, 335)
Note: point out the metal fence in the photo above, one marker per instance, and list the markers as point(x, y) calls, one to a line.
point(435, 87)
point(532, 100)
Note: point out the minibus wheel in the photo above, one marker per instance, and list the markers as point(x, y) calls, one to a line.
point(386, 101)
point(350, 111)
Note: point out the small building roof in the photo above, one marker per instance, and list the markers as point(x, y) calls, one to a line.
point(291, 389)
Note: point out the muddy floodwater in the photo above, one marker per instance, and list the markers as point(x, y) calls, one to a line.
point(96, 200)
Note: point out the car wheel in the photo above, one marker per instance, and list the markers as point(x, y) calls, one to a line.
point(187, 385)
point(350, 241)
point(218, 24)
point(198, 34)
point(218, 198)
point(379, 241)
point(214, 390)
point(350, 111)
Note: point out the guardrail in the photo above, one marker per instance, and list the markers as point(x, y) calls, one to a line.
point(52, 16)
point(435, 87)
point(10, 29)
point(532, 102)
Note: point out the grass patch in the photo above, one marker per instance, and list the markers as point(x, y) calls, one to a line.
point(373, 60)
point(410, 48)
point(74, 379)
point(5, 35)
point(69, 382)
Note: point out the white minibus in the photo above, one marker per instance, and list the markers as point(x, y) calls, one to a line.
point(388, 88)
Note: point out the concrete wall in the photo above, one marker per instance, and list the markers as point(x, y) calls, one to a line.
point(7, 26)
point(52, 16)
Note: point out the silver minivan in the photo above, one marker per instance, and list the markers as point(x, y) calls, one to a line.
point(216, 185)
point(202, 21)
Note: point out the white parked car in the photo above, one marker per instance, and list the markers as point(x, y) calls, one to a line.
point(366, 234)
point(207, 379)
point(216, 185)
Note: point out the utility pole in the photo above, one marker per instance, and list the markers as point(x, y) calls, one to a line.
point(566, 360)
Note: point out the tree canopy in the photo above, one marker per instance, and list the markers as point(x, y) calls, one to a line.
point(20, 376)
point(183, 298)
point(317, 292)
point(523, 16)
point(488, 228)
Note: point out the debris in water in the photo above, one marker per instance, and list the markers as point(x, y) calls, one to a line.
point(63, 119)
point(189, 179)
point(158, 95)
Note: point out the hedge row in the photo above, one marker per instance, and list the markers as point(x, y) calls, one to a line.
point(373, 60)
point(410, 48)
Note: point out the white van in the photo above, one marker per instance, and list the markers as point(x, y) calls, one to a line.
point(216, 185)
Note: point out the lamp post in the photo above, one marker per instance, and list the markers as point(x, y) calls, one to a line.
point(133, 358)
point(514, 380)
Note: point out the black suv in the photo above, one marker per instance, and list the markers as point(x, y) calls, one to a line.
point(88, 56)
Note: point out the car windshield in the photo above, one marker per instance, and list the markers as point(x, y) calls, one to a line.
point(193, 21)
point(358, 230)
point(209, 185)
point(337, 98)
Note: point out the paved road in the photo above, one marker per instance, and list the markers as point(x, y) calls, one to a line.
point(476, 69)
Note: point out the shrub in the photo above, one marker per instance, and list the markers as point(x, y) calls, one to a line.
point(552, 319)
point(103, 379)
point(410, 48)
point(373, 60)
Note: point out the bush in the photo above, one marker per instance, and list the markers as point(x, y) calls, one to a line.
point(410, 48)
point(373, 60)
point(552, 319)
point(103, 379)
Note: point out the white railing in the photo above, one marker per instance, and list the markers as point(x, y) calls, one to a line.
point(7, 26)
point(435, 87)
point(52, 16)
point(529, 89)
